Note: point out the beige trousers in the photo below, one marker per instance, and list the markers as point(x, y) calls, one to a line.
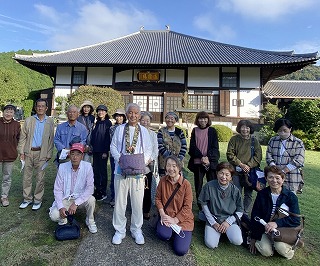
point(33, 165)
point(89, 205)
point(264, 246)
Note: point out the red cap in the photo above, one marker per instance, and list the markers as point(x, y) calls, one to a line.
point(78, 147)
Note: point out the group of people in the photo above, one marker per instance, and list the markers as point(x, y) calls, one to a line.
point(136, 153)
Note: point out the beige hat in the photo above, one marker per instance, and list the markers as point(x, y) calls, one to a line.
point(87, 103)
point(119, 112)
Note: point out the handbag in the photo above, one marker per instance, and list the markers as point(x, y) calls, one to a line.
point(155, 181)
point(256, 177)
point(155, 217)
point(289, 235)
point(68, 231)
point(132, 164)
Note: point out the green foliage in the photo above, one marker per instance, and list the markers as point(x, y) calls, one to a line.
point(27, 107)
point(11, 88)
point(265, 133)
point(271, 113)
point(98, 95)
point(307, 73)
point(60, 100)
point(224, 133)
point(17, 81)
point(304, 114)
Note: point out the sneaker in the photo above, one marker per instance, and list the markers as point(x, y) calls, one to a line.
point(117, 238)
point(5, 202)
point(101, 198)
point(36, 206)
point(92, 228)
point(25, 204)
point(138, 237)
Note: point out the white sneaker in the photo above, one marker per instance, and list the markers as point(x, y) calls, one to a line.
point(36, 206)
point(92, 228)
point(117, 238)
point(138, 237)
point(25, 204)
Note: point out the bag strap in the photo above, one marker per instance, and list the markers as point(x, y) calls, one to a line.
point(124, 133)
point(252, 147)
point(172, 195)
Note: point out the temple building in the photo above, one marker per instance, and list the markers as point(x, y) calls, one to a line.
point(162, 70)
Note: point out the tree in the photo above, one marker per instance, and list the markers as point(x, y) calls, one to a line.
point(12, 89)
point(98, 95)
point(304, 114)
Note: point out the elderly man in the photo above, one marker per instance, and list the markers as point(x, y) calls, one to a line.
point(35, 148)
point(9, 136)
point(73, 188)
point(70, 132)
point(129, 139)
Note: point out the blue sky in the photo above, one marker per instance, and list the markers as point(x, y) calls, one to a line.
point(58, 25)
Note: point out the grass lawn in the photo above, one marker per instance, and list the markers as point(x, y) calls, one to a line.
point(26, 237)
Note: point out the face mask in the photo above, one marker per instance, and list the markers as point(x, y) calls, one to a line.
point(284, 135)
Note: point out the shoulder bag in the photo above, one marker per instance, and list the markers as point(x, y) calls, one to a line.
point(256, 177)
point(68, 231)
point(289, 235)
point(132, 164)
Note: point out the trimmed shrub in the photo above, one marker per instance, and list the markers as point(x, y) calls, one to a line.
point(224, 133)
point(98, 95)
point(27, 108)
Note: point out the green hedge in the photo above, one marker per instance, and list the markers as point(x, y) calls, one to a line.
point(224, 132)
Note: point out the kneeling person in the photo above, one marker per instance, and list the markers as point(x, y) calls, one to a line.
point(73, 188)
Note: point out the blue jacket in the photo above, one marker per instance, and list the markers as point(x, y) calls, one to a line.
point(263, 207)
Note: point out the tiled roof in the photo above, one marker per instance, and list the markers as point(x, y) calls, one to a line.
point(292, 89)
point(166, 48)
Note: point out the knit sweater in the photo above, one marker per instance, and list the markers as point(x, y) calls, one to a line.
point(9, 137)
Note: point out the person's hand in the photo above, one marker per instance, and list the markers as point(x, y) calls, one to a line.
point(245, 168)
point(62, 213)
point(216, 227)
point(22, 157)
point(73, 208)
point(167, 220)
point(285, 169)
point(104, 155)
point(269, 227)
point(223, 227)
point(252, 246)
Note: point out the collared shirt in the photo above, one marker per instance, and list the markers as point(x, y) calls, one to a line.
point(66, 133)
point(38, 131)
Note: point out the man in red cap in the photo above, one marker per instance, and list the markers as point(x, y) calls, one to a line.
point(73, 188)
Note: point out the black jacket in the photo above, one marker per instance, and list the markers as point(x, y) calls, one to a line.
point(212, 152)
point(262, 208)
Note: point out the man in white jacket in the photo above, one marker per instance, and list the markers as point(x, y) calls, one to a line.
point(73, 188)
point(129, 138)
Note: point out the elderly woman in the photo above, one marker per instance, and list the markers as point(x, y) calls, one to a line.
point(268, 199)
point(100, 142)
point(145, 120)
point(287, 152)
point(221, 203)
point(244, 153)
point(176, 214)
point(204, 151)
point(87, 118)
point(171, 141)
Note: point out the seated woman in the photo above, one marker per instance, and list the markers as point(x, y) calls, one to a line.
point(178, 213)
point(221, 201)
point(268, 199)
